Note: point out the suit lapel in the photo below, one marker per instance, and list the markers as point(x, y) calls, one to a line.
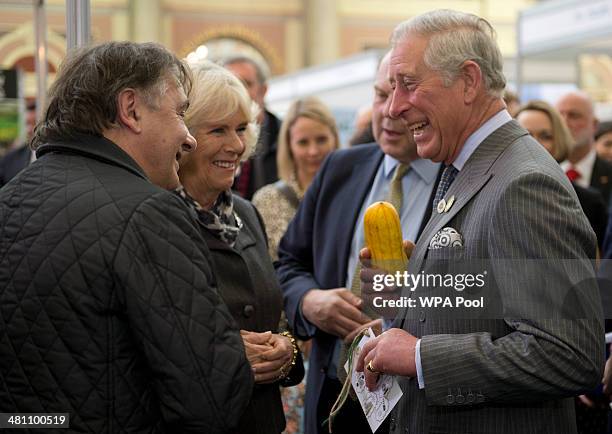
point(471, 179)
point(476, 173)
point(463, 193)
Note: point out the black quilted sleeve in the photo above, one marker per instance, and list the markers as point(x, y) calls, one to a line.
point(196, 355)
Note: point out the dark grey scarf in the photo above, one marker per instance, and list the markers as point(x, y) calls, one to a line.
point(221, 219)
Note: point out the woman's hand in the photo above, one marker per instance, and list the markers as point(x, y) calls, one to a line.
point(255, 344)
point(272, 364)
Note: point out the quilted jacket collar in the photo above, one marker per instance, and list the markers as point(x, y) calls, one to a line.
point(95, 147)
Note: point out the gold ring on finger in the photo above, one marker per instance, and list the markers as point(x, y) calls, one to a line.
point(370, 368)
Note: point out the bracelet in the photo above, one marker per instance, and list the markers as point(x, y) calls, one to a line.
point(284, 371)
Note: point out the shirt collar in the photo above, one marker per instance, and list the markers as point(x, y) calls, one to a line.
point(477, 137)
point(427, 170)
point(584, 167)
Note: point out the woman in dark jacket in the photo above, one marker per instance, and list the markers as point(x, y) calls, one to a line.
point(222, 118)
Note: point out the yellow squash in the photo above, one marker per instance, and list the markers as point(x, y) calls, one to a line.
point(383, 236)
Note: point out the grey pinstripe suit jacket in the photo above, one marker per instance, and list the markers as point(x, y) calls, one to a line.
point(514, 372)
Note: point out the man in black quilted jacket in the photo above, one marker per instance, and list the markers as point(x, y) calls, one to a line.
point(108, 310)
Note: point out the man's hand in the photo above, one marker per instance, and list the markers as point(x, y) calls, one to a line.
point(367, 276)
point(368, 271)
point(390, 353)
point(365, 254)
point(335, 311)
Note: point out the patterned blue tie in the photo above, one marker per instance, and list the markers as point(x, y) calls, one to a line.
point(447, 178)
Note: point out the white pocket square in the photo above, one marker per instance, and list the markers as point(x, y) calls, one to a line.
point(446, 237)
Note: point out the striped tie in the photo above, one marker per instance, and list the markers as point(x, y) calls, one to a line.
point(447, 178)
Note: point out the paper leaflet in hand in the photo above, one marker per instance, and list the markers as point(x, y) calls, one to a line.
point(378, 404)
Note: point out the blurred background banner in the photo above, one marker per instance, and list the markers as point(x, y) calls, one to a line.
point(11, 109)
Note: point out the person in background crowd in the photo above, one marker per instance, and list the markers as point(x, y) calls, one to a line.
point(362, 133)
point(583, 166)
point(509, 366)
point(546, 125)
point(603, 141)
point(17, 159)
point(362, 137)
point(308, 134)
point(513, 103)
point(108, 309)
point(318, 255)
point(260, 169)
point(222, 118)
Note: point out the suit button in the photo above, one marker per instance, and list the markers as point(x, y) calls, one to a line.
point(450, 399)
point(248, 310)
point(470, 398)
point(460, 399)
point(422, 316)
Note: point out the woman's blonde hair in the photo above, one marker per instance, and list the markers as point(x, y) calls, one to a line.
point(311, 108)
point(562, 141)
point(216, 95)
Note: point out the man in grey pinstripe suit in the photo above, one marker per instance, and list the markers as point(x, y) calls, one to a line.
point(509, 205)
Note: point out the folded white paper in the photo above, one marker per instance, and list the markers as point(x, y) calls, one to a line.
point(378, 404)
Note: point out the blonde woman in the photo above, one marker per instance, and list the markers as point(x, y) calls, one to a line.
point(308, 133)
point(222, 117)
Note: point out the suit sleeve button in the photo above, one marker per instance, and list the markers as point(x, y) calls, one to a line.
point(248, 310)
